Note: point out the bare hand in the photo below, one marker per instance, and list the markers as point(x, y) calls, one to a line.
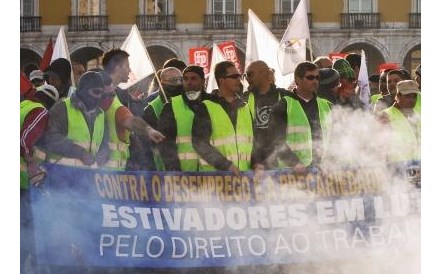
point(299, 168)
point(234, 170)
point(102, 158)
point(258, 171)
point(155, 135)
point(87, 159)
point(36, 174)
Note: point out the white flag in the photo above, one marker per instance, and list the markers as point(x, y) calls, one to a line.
point(262, 45)
point(140, 62)
point(292, 48)
point(61, 50)
point(363, 82)
point(216, 57)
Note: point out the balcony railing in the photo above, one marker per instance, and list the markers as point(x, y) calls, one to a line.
point(360, 20)
point(415, 20)
point(156, 22)
point(223, 21)
point(30, 23)
point(282, 20)
point(88, 23)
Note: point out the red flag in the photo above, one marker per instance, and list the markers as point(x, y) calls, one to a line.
point(45, 62)
point(385, 66)
point(200, 57)
point(230, 52)
point(26, 88)
point(337, 55)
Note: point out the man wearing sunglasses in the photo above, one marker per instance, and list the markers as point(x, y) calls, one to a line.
point(300, 122)
point(77, 134)
point(222, 132)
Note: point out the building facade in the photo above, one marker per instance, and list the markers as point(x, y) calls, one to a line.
point(389, 31)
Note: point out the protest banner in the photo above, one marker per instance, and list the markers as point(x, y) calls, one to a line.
point(195, 219)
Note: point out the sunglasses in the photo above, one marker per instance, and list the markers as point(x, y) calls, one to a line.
point(312, 77)
point(233, 76)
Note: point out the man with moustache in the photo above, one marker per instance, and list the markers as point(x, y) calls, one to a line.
point(300, 123)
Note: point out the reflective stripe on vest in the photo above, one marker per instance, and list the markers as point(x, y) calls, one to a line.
point(235, 145)
point(405, 140)
point(298, 131)
point(119, 152)
point(184, 117)
point(157, 105)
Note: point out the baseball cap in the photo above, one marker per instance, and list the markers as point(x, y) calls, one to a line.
point(50, 91)
point(407, 87)
point(36, 75)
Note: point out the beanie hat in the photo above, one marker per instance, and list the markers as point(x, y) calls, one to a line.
point(344, 69)
point(195, 69)
point(328, 77)
point(90, 79)
point(50, 91)
point(62, 68)
point(407, 87)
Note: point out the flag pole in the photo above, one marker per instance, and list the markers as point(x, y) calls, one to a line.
point(310, 49)
point(160, 87)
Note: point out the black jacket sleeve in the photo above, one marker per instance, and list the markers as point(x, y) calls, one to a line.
point(201, 133)
point(168, 148)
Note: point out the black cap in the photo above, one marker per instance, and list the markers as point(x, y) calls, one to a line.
point(195, 69)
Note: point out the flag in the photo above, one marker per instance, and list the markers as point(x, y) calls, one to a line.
point(337, 55)
point(261, 44)
point(363, 82)
point(229, 51)
point(140, 62)
point(292, 47)
point(26, 88)
point(61, 50)
point(199, 56)
point(216, 57)
point(47, 56)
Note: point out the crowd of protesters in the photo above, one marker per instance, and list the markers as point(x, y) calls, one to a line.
point(182, 127)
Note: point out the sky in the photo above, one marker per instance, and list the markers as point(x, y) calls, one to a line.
point(10, 144)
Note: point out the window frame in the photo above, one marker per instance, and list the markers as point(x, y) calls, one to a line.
point(102, 7)
point(143, 8)
point(35, 8)
point(210, 7)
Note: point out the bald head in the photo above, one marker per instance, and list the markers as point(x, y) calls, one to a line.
point(170, 75)
point(259, 76)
